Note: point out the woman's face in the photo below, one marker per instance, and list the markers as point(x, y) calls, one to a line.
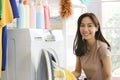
point(87, 28)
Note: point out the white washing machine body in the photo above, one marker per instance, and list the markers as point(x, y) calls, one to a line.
point(24, 53)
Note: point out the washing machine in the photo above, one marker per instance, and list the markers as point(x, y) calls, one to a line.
point(26, 59)
point(53, 70)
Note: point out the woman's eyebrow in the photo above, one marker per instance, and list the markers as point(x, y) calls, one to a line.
point(90, 23)
point(87, 23)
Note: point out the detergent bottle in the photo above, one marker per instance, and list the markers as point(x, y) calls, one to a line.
point(21, 21)
point(39, 15)
point(27, 15)
point(46, 15)
point(32, 15)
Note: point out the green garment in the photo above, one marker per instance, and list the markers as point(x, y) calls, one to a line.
point(0, 9)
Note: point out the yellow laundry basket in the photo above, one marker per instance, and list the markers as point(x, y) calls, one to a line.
point(59, 74)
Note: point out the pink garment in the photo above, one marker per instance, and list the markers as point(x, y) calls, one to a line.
point(91, 61)
point(47, 16)
point(32, 16)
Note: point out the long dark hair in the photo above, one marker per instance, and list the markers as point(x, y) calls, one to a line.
point(79, 44)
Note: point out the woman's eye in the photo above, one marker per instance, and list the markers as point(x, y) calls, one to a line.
point(81, 25)
point(89, 25)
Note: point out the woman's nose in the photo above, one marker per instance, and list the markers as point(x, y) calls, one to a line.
point(85, 28)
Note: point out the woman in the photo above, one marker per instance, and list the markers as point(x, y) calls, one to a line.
point(91, 49)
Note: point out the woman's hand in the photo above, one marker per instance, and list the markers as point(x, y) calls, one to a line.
point(78, 68)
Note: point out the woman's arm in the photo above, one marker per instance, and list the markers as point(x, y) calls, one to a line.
point(77, 71)
point(107, 67)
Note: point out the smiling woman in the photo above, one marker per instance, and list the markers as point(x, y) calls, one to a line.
point(91, 49)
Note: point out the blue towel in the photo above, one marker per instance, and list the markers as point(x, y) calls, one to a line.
point(14, 8)
point(4, 47)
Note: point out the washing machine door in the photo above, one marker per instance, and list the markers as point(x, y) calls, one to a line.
point(45, 68)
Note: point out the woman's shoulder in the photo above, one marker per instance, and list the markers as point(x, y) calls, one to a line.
point(101, 44)
point(103, 49)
